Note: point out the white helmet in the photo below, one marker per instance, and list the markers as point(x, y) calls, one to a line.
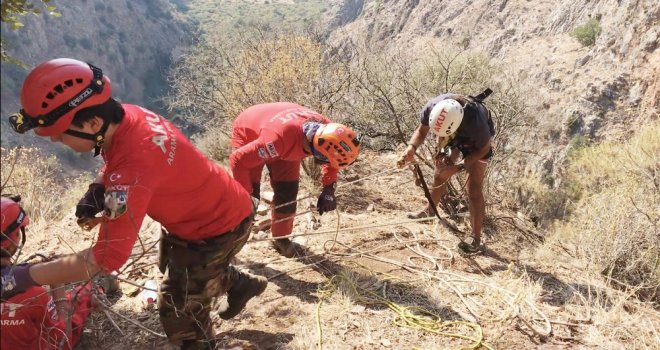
point(445, 117)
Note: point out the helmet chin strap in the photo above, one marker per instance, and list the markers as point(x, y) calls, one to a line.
point(98, 138)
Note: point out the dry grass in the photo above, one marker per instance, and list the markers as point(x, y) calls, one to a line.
point(215, 143)
point(46, 195)
point(219, 78)
point(505, 294)
point(614, 224)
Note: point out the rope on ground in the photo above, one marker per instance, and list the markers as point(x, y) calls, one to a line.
point(341, 185)
point(417, 249)
point(318, 324)
point(345, 229)
point(509, 299)
point(547, 331)
point(339, 256)
point(416, 318)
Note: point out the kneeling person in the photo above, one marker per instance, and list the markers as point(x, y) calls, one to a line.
point(36, 318)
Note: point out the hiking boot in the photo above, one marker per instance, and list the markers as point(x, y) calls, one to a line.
point(247, 287)
point(109, 283)
point(472, 248)
point(425, 213)
point(288, 248)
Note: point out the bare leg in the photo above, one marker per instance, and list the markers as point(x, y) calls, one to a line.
point(441, 177)
point(476, 174)
point(438, 189)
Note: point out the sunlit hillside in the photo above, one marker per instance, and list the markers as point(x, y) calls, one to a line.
point(232, 17)
point(572, 192)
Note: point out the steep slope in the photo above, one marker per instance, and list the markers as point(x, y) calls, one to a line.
point(603, 90)
point(382, 282)
point(132, 41)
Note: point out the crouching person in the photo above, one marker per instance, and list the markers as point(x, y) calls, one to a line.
point(152, 169)
point(279, 136)
point(34, 317)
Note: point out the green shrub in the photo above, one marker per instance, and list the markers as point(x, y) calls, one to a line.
point(222, 78)
point(577, 143)
point(615, 221)
point(587, 33)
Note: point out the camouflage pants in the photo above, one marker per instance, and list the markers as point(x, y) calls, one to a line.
point(197, 272)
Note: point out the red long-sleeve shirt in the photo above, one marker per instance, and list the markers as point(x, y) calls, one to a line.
point(29, 320)
point(152, 168)
point(270, 132)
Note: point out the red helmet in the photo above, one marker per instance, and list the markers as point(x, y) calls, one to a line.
point(336, 144)
point(54, 91)
point(13, 220)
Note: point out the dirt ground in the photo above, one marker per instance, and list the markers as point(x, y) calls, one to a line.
point(387, 284)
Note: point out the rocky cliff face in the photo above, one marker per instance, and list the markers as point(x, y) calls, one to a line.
point(132, 41)
point(599, 91)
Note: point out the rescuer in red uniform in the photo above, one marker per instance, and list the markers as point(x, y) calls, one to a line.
point(150, 168)
point(279, 136)
point(36, 318)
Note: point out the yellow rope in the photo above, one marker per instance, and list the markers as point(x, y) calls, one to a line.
point(412, 317)
point(318, 323)
point(334, 241)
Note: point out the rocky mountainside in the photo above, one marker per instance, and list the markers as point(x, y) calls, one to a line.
point(132, 41)
point(598, 91)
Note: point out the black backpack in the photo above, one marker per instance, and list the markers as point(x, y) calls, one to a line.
point(480, 100)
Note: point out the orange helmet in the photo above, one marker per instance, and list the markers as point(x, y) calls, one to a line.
point(54, 91)
point(14, 221)
point(336, 144)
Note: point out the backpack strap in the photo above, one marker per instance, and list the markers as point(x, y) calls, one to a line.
point(480, 99)
point(482, 96)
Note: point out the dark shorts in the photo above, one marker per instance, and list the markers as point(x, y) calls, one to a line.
point(466, 151)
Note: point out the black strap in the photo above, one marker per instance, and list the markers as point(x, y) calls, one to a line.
point(480, 99)
point(482, 96)
point(427, 193)
point(99, 137)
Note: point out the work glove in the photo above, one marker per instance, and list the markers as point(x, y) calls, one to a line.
point(15, 279)
point(92, 203)
point(327, 201)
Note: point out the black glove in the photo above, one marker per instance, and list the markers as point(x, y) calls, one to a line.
point(92, 203)
point(327, 201)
